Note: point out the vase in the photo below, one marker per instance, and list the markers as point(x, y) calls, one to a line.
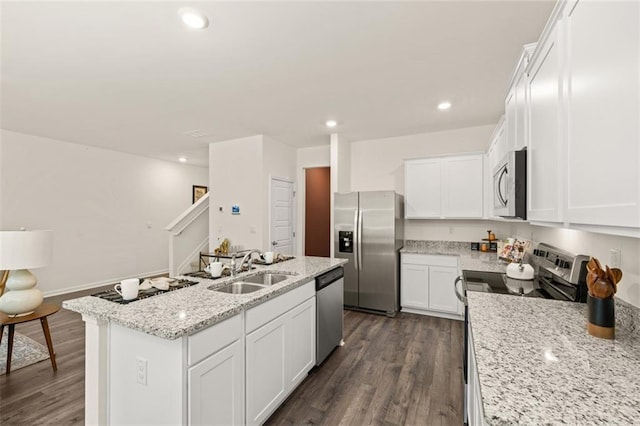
point(601, 318)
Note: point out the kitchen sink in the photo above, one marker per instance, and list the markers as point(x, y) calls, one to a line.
point(265, 278)
point(239, 287)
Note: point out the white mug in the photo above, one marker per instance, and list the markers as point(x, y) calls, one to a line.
point(268, 257)
point(216, 268)
point(128, 289)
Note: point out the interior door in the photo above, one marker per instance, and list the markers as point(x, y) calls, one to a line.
point(282, 216)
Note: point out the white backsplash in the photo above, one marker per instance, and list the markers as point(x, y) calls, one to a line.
point(579, 242)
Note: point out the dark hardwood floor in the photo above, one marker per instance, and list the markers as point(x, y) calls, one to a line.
point(393, 371)
point(403, 370)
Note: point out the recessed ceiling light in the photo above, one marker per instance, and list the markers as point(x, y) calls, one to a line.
point(182, 159)
point(193, 18)
point(444, 105)
point(331, 123)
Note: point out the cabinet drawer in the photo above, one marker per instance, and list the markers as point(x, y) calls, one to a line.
point(262, 314)
point(429, 259)
point(214, 338)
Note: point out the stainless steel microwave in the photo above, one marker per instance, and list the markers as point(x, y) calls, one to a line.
point(510, 186)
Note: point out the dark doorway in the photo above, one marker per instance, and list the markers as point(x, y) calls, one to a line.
point(317, 207)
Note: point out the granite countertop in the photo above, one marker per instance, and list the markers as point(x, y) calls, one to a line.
point(188, 310)
point(537, 364)
point(471, 260)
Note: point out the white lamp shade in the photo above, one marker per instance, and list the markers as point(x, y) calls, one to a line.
point(25, 249)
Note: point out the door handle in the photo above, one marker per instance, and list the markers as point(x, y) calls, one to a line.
point(360, 241)
point(274, 243)
point(460, 297)
point(356, 236)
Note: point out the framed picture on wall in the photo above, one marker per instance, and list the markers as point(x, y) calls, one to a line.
point(198, 192)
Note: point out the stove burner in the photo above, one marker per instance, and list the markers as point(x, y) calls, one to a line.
point(113, 296)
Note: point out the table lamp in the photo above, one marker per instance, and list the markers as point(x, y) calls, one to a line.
point(19, 252)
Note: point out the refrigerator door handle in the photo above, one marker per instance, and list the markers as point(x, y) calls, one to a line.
point(356, 238)
point(360, 240)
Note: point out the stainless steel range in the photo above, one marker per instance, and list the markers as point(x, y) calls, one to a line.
point(560, 275)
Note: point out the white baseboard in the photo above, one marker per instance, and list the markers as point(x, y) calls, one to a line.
point(87, 286)
point(433, 313)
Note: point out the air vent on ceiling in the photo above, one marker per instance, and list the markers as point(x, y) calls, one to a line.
point(196, 133)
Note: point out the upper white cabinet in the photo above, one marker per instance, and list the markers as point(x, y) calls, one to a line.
point(516, 104)
point(422, 188)
point(584, 138)
point(544, 180)
point(444, 187)
point(603, 148)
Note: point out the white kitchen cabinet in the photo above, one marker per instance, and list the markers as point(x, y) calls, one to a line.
point(280, 350)
point(462, 187)
point(265, 370)
point(300, 342)
point(444, 187)
point(544, 180)
point(516, 104)
point(414, 285)
point(196, 379)
point(215, 388)
point(422, 188)
point(426, 285)
point(603, 149)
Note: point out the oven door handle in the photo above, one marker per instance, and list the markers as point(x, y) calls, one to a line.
point(460, 297)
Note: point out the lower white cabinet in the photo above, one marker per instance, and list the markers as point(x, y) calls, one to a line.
point(233, 373)
point(215, 388)
point(280, 352)
point(265, 370)
point(427, 285)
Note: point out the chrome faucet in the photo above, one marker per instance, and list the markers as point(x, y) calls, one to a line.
point(245, 259)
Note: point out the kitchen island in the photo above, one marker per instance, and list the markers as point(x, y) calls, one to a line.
point(195, 351)
point(536, 364)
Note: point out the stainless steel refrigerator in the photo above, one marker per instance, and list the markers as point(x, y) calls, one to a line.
point(369, 232)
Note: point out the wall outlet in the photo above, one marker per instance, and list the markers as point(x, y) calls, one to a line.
point(141, 370)
point(614, 258)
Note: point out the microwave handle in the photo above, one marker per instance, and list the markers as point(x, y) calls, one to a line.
point(503, 174)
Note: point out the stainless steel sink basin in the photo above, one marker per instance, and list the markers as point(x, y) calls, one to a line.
point(240, 288)
point(265, 278)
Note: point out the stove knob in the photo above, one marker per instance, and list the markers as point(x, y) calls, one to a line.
point(558, 261)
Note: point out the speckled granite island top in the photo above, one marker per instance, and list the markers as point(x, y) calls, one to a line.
point(188, 310)
point(469, 259)
point(537, 364)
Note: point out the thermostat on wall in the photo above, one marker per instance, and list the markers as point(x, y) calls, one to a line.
point(235, 209)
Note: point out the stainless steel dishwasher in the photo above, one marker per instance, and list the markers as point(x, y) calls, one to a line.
point(329, 313)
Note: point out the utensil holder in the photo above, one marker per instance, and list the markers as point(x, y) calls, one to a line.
point(601, 318)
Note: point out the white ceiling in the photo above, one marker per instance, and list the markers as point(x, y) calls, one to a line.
point(129, 76)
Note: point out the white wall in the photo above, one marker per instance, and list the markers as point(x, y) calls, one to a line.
point(107, 209)
point(240, 172)
point(378, 164)
point(236, 177)
point(279, 162)
point(597, 245)
point(316, 156)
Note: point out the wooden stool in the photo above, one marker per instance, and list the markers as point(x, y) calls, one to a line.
point(41, 313)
